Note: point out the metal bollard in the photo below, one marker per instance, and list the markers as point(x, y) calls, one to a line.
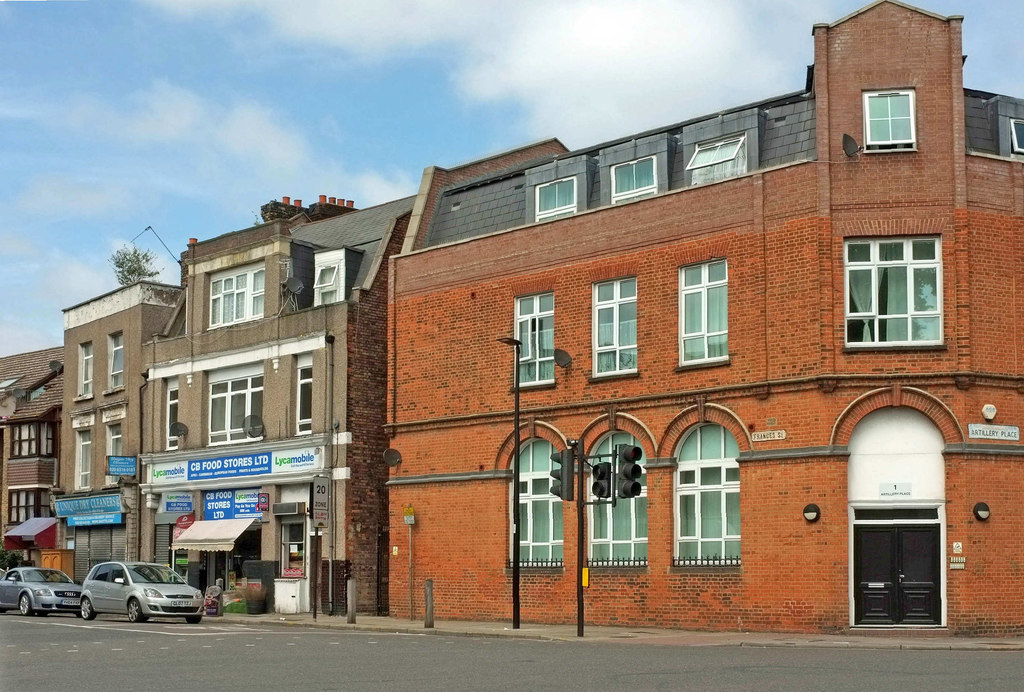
point(428, 603)
point(351, 594)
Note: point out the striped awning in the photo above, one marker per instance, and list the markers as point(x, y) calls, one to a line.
point(217, 535)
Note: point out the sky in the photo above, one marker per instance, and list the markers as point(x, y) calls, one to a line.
point(185, 116)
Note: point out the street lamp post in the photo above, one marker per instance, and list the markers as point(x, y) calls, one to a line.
point(518, 345)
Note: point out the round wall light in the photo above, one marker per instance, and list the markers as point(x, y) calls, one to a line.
point(982, 512)
point(812, 512)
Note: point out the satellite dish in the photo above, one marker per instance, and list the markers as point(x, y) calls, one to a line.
point(293, 285)
point(850, 146)
point(562, 358)
point(56, 365)
point(178, 429)
point(392, 457)
point(253, 426)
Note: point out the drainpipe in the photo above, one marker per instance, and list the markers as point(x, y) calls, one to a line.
point(331, 432)
point(138, 475)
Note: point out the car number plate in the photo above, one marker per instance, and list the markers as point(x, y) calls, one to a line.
point(70, 601)
point(181, 604)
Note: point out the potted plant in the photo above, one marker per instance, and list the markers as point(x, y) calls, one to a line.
point(255, 599)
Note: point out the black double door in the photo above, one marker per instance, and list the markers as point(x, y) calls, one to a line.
point(896, 575)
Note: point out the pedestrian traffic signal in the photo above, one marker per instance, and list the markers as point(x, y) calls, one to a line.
point(629, 471)
point(602, 486)
point(562, 485)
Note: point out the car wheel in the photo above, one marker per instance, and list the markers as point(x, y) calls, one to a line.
point(24, 605)
point(193, 619)
point(87, 612)
point(135, 613)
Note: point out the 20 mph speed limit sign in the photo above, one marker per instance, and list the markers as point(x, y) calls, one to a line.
point(321, 502)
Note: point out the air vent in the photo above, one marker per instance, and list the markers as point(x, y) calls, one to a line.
point(283, 508)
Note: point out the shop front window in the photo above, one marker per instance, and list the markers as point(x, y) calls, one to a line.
point(293, 550)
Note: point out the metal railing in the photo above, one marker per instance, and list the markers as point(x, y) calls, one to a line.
point(710, 561)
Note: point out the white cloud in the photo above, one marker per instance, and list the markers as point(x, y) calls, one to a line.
point(58, 197)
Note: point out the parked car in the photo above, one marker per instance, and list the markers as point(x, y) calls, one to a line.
point(141, 590)
point(39, 590)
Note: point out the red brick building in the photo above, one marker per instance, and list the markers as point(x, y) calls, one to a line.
point(804, 312)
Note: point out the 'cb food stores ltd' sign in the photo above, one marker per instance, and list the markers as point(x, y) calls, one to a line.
point(238, 466)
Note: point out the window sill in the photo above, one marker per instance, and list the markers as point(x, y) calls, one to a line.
point(887, 149)
point(113, 390)
point(537, 569)
point(700, 364)
point(705, 569)
point(243, 441)
point(534, 386)
point(897, 347)
point(82, 397)
point(630, 197)
point(594, 379)
point(619, 569)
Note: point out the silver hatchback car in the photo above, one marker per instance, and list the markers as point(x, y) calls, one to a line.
point(38, 591)
point(141, 590)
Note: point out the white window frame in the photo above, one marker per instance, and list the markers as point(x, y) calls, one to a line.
point(701, 289)
point(615, 304)
point(689, 483)
point(320, 286)
point(564, 210)
point(1016, 142)
point(248, 387)
point(635, 192)
point(173, 394)
point(85, 370)
point(712, 171)
point(115, 437)
point(605, 514)
point(250, 299)
point(535, 493)
point(890, 144)
point(83, 458)
point(529, 314)
point(115, 345)
point(304, 376)
point(286, 544)
point(874, 265)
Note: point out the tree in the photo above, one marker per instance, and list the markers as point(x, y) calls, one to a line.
point(132, 264)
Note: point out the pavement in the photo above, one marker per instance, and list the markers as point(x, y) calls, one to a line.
point(932, 639)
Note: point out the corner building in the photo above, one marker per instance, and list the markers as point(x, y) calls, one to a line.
point(802, 310)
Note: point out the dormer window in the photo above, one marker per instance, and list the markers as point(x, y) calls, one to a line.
point(326, 286)
point(556, 199)
point(634, 179)
point(889, 121)
point(236, 296)
point(1017, 136)
point(719, 160)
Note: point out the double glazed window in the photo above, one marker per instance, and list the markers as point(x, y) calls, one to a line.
point(540, 512)
point(894, 291)
point(619, 534)
point(704, 304)
point(556, 199)
point(172, 412)
point(115, 345)
point(27, 504)
point(718, 160)
point(305, 394)
point(113, 446)
point(326, 286)
point(708, 498)
point(535, 327)
point(31, 439)
point(83, 458)
point(1017, 136)
point(85, 369)
point(230, 402)
point(634, 179)
point(615, 326)
point(889, 120)
point(236, 296)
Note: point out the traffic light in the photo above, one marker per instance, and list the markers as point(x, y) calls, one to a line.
point(602, 479)
point(629, 471)
point(562, 486)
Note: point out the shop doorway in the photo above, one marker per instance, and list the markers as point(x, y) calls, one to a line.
point(896, 575)
point(227, 566)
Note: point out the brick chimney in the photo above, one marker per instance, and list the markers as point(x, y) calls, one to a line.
point(285, 209)
point(328, 207)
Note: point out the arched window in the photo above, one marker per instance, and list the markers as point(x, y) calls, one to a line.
point(618, 535)
point(708, 498)
point(540, 512)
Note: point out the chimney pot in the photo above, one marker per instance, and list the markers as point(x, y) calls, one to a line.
point(332, 200)
point(351, 204)
point(341, 201)
point(323, 199)
point(193, 241)
point(298, 202)
point(286, 200)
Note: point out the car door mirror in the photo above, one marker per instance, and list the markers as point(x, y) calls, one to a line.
point(119, 580)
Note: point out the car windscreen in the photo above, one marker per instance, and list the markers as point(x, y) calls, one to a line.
point(54, 576)
point(154, 574)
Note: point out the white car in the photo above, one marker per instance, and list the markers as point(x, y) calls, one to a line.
point(140, 590)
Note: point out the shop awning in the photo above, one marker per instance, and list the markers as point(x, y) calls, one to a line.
point(39, 532)
point(214, 535)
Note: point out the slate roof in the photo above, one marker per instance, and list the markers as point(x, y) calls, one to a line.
point(354, 229)
point(32, 370)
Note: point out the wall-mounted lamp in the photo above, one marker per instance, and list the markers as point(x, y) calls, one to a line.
point(982, 512)
point(812, 512)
